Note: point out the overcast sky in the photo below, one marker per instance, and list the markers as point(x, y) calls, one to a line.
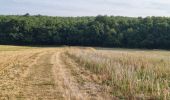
point(86, 7)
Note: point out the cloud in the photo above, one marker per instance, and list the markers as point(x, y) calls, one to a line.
point(87, 7)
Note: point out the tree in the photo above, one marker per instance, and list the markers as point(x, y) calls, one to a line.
point(149, 32)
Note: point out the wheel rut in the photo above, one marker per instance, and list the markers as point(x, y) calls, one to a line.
point(39, 83)
point(48, 77)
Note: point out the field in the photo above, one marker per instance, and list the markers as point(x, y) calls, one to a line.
point(83, 73)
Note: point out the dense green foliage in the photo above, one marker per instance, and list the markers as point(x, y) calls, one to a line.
point(108, 31)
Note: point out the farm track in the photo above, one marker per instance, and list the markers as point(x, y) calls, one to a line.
point(47, 75)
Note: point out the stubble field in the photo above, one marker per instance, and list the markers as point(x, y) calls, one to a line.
point(77, 73)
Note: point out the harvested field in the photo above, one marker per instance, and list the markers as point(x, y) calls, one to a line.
point(74, 73)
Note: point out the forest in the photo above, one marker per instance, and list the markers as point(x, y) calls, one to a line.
point(103, 31)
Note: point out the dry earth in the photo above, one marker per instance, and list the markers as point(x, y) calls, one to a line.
point(46, 74)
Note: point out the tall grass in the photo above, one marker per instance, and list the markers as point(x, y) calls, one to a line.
point(130, 74)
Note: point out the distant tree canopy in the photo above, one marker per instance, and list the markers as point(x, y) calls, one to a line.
point(107, 31)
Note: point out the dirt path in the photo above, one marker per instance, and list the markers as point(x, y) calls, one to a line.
point(65, 81)
point(49, 78)
point(72, 83)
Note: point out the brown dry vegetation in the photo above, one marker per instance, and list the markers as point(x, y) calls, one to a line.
point(131, 74)
point(74, 73)
point(43, 74)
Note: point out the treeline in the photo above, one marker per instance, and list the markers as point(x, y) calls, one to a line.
point(107, 31)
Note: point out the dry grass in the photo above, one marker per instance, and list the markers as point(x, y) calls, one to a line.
point(14, 48)
point(132, 74)
point(11, 55)
point(14, 61)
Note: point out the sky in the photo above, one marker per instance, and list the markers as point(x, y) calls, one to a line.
point(131, 8)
